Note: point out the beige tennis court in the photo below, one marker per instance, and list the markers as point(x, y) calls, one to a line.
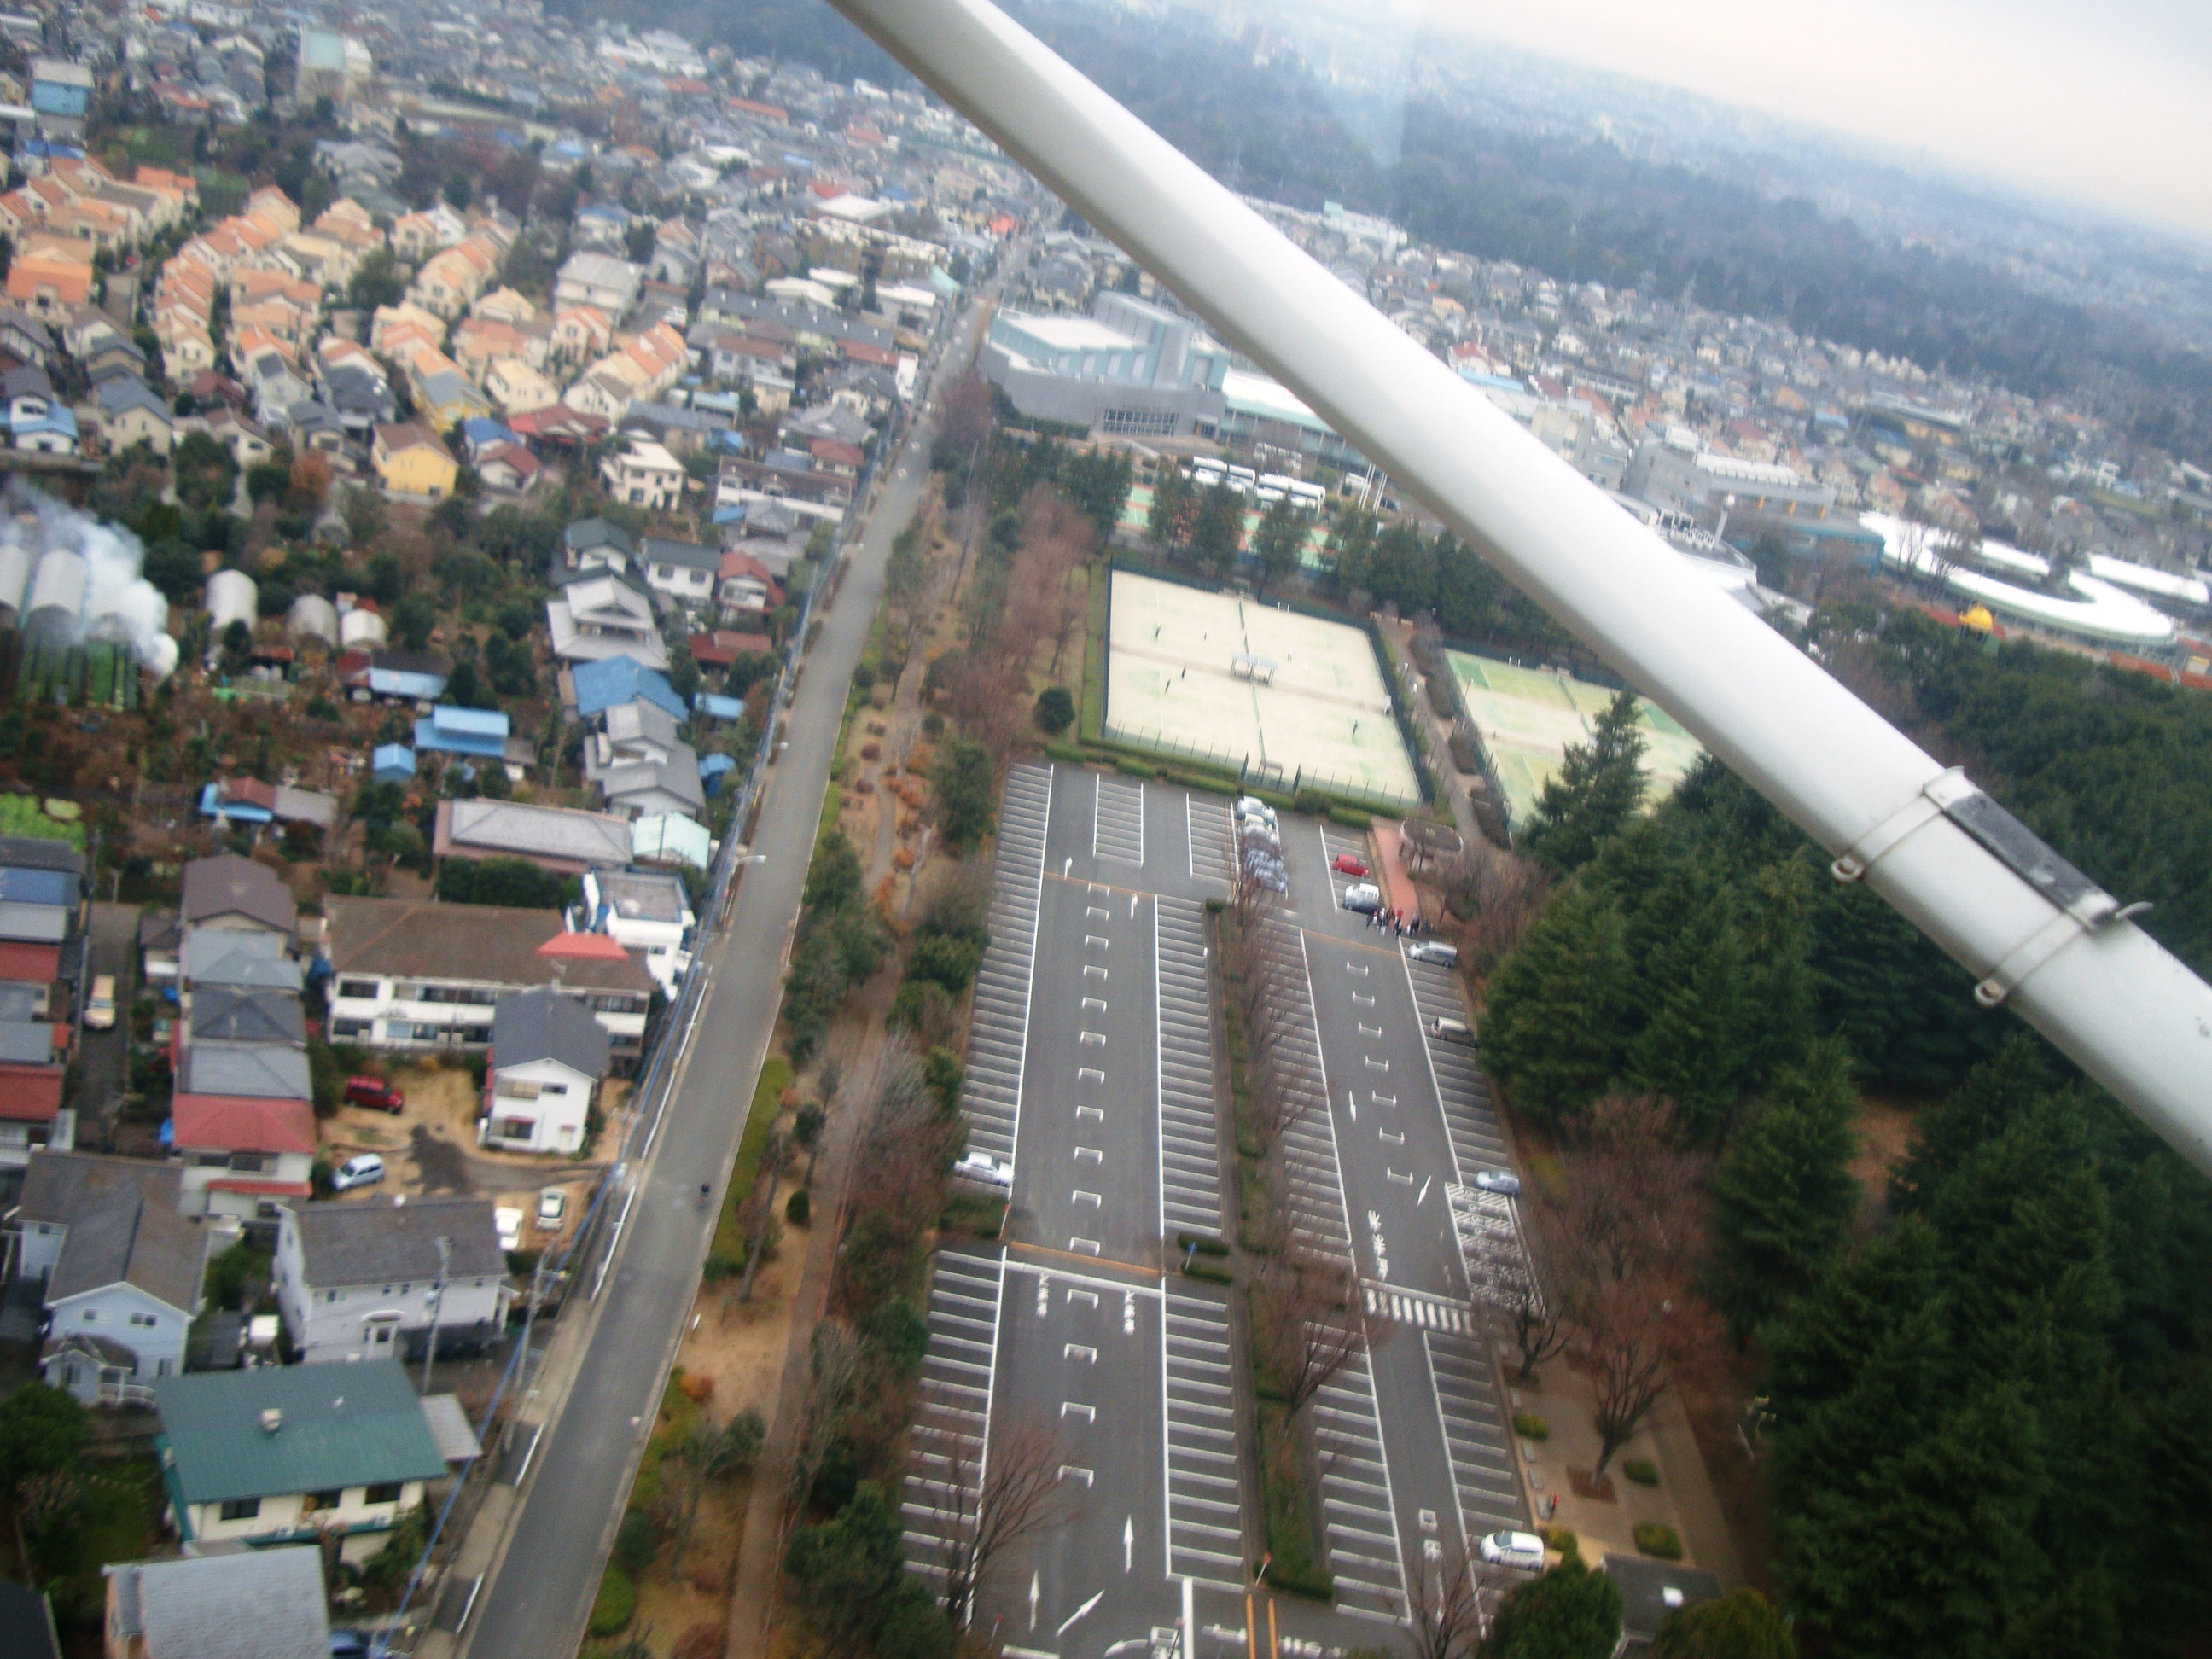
point(1526, 717)
point(1293, 697)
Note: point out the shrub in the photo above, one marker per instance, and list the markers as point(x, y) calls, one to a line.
point(1529, 1426)
point(720, 1266)
point(637, 1541)
point(1134, 768)
point(1311, 801)
point(1210, 1269)
point(1203, 1243)
point(1071, 753)
point(798, 1208)
point(616, 1602)
point(1216, 906)
point(1055, 710)
point(1655, 1538)
point(1641, 1470)
point(1351, 817)
point(1563, 1540)
point(864, 676)
point(932, 724)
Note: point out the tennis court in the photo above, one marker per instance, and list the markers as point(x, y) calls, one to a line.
point(1289, 697)
point(1526, 717)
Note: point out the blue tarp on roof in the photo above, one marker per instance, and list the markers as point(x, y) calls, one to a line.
point(236, 811)
point(718, 708)
point(600, 685)
point(404, 683)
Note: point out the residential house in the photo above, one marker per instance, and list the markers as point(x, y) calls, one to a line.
point(481, 733)
point(366, 1281)
point(685, 571)
point(247, 1604)
point(24, 336)
point(644, 474)
point(604, 617)
point(515, 388)
point(580, 333)
point(213, 955)
point(285, 1454)
point(413, 460)
point(248, 445)
point(548, 1057)
point(241, 1155)
point(509, 467)
point(558, 839)
point(606, 284)
point(38, 906)
point(120, 1268)
point(745, 589)
point(669, 784)
point(596, 687)
point(249, 800)
point(229, 891)
point(414, 975)
point(595, 544)
point(37, 420)
point(1650, 1591)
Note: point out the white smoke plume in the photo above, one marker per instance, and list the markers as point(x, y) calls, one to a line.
point(121, 607)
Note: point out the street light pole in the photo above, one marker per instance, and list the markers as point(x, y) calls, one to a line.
point(437, 1307)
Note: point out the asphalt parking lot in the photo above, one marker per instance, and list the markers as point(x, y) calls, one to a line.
point(1091, 1067)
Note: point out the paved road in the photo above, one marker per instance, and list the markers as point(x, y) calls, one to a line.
point(534, 1603)
point(101, 1062)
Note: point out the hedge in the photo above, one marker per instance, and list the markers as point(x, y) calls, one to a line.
point(1641, 1470)
point(617, 1601)
point(1288, 1508)
point(1204, 1244)
point(767, 1099)
point(1656, 1539)
point(1134, 768)
point(1211, 1271)
point(1071, 752)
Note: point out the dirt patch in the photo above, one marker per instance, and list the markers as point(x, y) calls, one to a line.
point(1715, 1408)
point(1885, 1130)
point(1597, 1488)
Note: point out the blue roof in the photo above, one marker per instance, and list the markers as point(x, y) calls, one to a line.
point(405, 683)
point(600, 685)
point(237, 811)
point(716, 706)
point(472, 722)
point(21, 885)
point(458, 741)
point(482, 429)
point(393, 758)
point(714, 765)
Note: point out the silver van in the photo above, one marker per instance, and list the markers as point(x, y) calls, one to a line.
point(1445, 1029)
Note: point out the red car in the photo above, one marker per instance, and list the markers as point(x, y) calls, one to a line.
point(1346, 865)
point(376, 1094)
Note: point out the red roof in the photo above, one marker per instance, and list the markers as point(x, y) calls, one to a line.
point(736, 562)
point(30, 1094)
point(29, 965)
point(837, 450)
point(863, 351)
point(557, 422)
point(589, 947)
point(751, 109)
point(237, 1123)
point(514, 455)
point(260, 1188)
point(725, 645)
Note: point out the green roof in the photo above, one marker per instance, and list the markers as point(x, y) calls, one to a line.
point(342, 1426)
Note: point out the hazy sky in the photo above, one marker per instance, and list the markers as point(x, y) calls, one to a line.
point(2109, 103)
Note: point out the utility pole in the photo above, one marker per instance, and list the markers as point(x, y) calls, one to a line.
point(437, 1300)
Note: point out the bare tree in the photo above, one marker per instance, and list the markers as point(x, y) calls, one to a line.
point(1310, 1324)
point(762, 1198)
point(1504, 893)
point(1450, 1597)
point(985, 1503)
point(1539, 1303)
point(1630, 1249)
point(834, 1373)
point(705, 1456)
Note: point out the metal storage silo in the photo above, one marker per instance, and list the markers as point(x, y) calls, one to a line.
point(360, 629)
point(15, 561)
point(312, 618)
point(232, 597)
point(57, 594)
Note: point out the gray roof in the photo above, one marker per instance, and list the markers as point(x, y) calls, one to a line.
point(229, 885)
point(19, 1001)
point(227, 1013)
point(36, 853)
point(38, 924)
point(501, 826)
point(543, 1024)
point(124, 393)
point(259, 1071)
point(123, 1226)
point(642, 895)
point(1643, 1585)
point(381, 1240)
point(27, 1623)
point(26, 1042)
point(449, 1427)
point(679, 776)
point(217, 955)
point(638, 718)
point(471, 944)
point(256, 1604)
point(587, 534)
point(339, 1426)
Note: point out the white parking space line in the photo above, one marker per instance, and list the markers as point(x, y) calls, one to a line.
point(1187, 1118)
point(1117, 820)
point(1211, 855)
point(1203, 1534)
point(998, 1037)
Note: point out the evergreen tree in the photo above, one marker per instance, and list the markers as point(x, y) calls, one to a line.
point(1550, 1031)
point(1214, 536)
point(1743, 1625)
point(1992, 1098)
point(1281, 532)
point(1570, 1612)
point(1351, 539)
point(1690, 995)
point(1163, 521)
point(1784, 1195)
point(1594, 794)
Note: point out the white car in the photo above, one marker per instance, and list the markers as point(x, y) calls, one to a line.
point(508, 1222)
point(1434, 950)
point(1523, 1550)
point(1251, 806)
point(1498, 1180)
point(1364, 897)
point(362, 1171)
point(982, 1167)
point(552, 1208)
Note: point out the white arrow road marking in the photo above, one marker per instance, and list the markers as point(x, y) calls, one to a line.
point(1079, 1611)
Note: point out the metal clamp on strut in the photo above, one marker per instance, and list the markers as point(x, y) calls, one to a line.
point(2083, 907)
